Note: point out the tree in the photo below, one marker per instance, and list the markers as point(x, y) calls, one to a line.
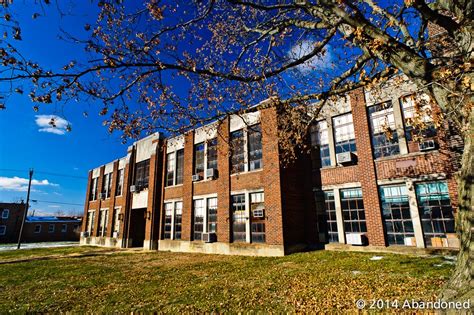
point(186, 64)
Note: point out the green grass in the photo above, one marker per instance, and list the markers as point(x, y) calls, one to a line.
point(99, 280)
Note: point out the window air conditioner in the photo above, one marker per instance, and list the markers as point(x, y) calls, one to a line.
point(356, 238)
point(427, 145)
point(133, 188)
point(345, 157)
point(209, 237)
point(196, 178)
point(211, 173)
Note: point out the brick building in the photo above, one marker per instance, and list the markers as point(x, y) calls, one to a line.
point(222, 189)
point(36, 229)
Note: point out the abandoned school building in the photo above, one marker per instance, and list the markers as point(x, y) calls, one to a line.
point(358, 187)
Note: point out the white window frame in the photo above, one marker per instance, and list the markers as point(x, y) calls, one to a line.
point(105, 225)
point(90, 224)
point(247, 193)
point(175, 168)
point(53, 229)
point(64, 228)
point(39, 230)
point(120, 180)
point(173, 213)
point(7, 211)
point(206, 210)
point(116, 227)
point(3, 229)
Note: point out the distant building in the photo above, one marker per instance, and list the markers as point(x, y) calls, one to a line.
point(11, 215)
point(36, 229)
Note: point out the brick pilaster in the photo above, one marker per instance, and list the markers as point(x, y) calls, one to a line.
point(223, 183)
point(186, 232)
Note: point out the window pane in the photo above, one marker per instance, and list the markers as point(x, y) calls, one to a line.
point(344, 135)
point(212, 154)
point(255, 147)
point(199, 158)
point(237, 151)
point(170, 169)
point(198, 218)
point(179, 166)
point(397, 217)
point(238, 218)
point(257, 216)
point(212, 215)
point(353, 211)
point(178, 215)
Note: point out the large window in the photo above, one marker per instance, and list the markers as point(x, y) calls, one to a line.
point(173, 219)
point(384, 134)
point(320, 141)
point(3, 229)
point(255, 147)
point(344, 134)
point(119, 188)
point(353, 212)
point(37, 228)
point(199, 210)
point(141, 174)
point(212, 154)
point(239, 231)
point(396, 214)
point(199, 158)
point(237, 147)
point(327, 222)
point(90, 221)
point(116, 223)
point(51, 228)
point(418, 117)
point(212, 215)
point(103, 220)
point(107, 185)
point(437, 217)
point(93, 192)
point(174, 168)
point(257, 216)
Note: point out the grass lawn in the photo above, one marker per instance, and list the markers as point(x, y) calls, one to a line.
point(101, 280)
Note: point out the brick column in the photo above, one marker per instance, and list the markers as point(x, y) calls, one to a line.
point(186, 232)
point(223, 183)
point(366, 170)
point(127, 182)
point(86, 203)
point(161, 188)
point(271, 177)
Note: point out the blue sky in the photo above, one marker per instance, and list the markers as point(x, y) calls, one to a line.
point(24, 146)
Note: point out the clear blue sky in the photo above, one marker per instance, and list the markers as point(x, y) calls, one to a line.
point(23, 145)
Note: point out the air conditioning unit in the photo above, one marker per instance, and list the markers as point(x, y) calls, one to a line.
point(85, 234)
point(209, 237)
point(133, 188)
point(115, 234)
point(345, 158)
point(196, 178)
point(427, 145)
point(211, 173)
point(356, 238)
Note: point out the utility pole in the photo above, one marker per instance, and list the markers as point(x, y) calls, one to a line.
point(26, 210)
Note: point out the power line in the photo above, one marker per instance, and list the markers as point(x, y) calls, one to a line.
point(57, 202)
point(46, 173)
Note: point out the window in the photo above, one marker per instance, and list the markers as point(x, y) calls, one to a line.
point(396, 214)
point(173, 220)
point(344, 133)
point(257, 215)
point(178, 217)
point(255, 147)
point(5, 213)
point(212, 215)
point(418, 116)
point(90, 221)
point(237, 151)
point(93, 192)
point(320, 141)
point(116, 223)
point(51, 228)
point(199, 158)
point(437, 217)
point(76, 228)
point(141, 174)
point(38, 228)
point(327, 222)
point(168, 220)
point(3, 229)
point(212, 154)
point(103, 220)
point(238, 218)
point(353, 210)
point(170, 167)
point(384, 134)
point(64, 228)
point(119, 187)
point(198, 219)
point(174, 168)
point(107, 185)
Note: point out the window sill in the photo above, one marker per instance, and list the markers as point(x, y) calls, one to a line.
point(247, 172)
point(407, 155)
point(173, 186)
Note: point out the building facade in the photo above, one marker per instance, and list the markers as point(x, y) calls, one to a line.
point(372, 179)
point(11, 215)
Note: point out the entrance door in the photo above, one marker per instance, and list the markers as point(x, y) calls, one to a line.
point(137, 227)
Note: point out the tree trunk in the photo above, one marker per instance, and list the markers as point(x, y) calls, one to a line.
point(461, 285)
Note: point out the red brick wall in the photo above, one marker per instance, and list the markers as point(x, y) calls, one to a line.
point(223, 183)
point(187, 219)
point(29, 235)
point(13, 223)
